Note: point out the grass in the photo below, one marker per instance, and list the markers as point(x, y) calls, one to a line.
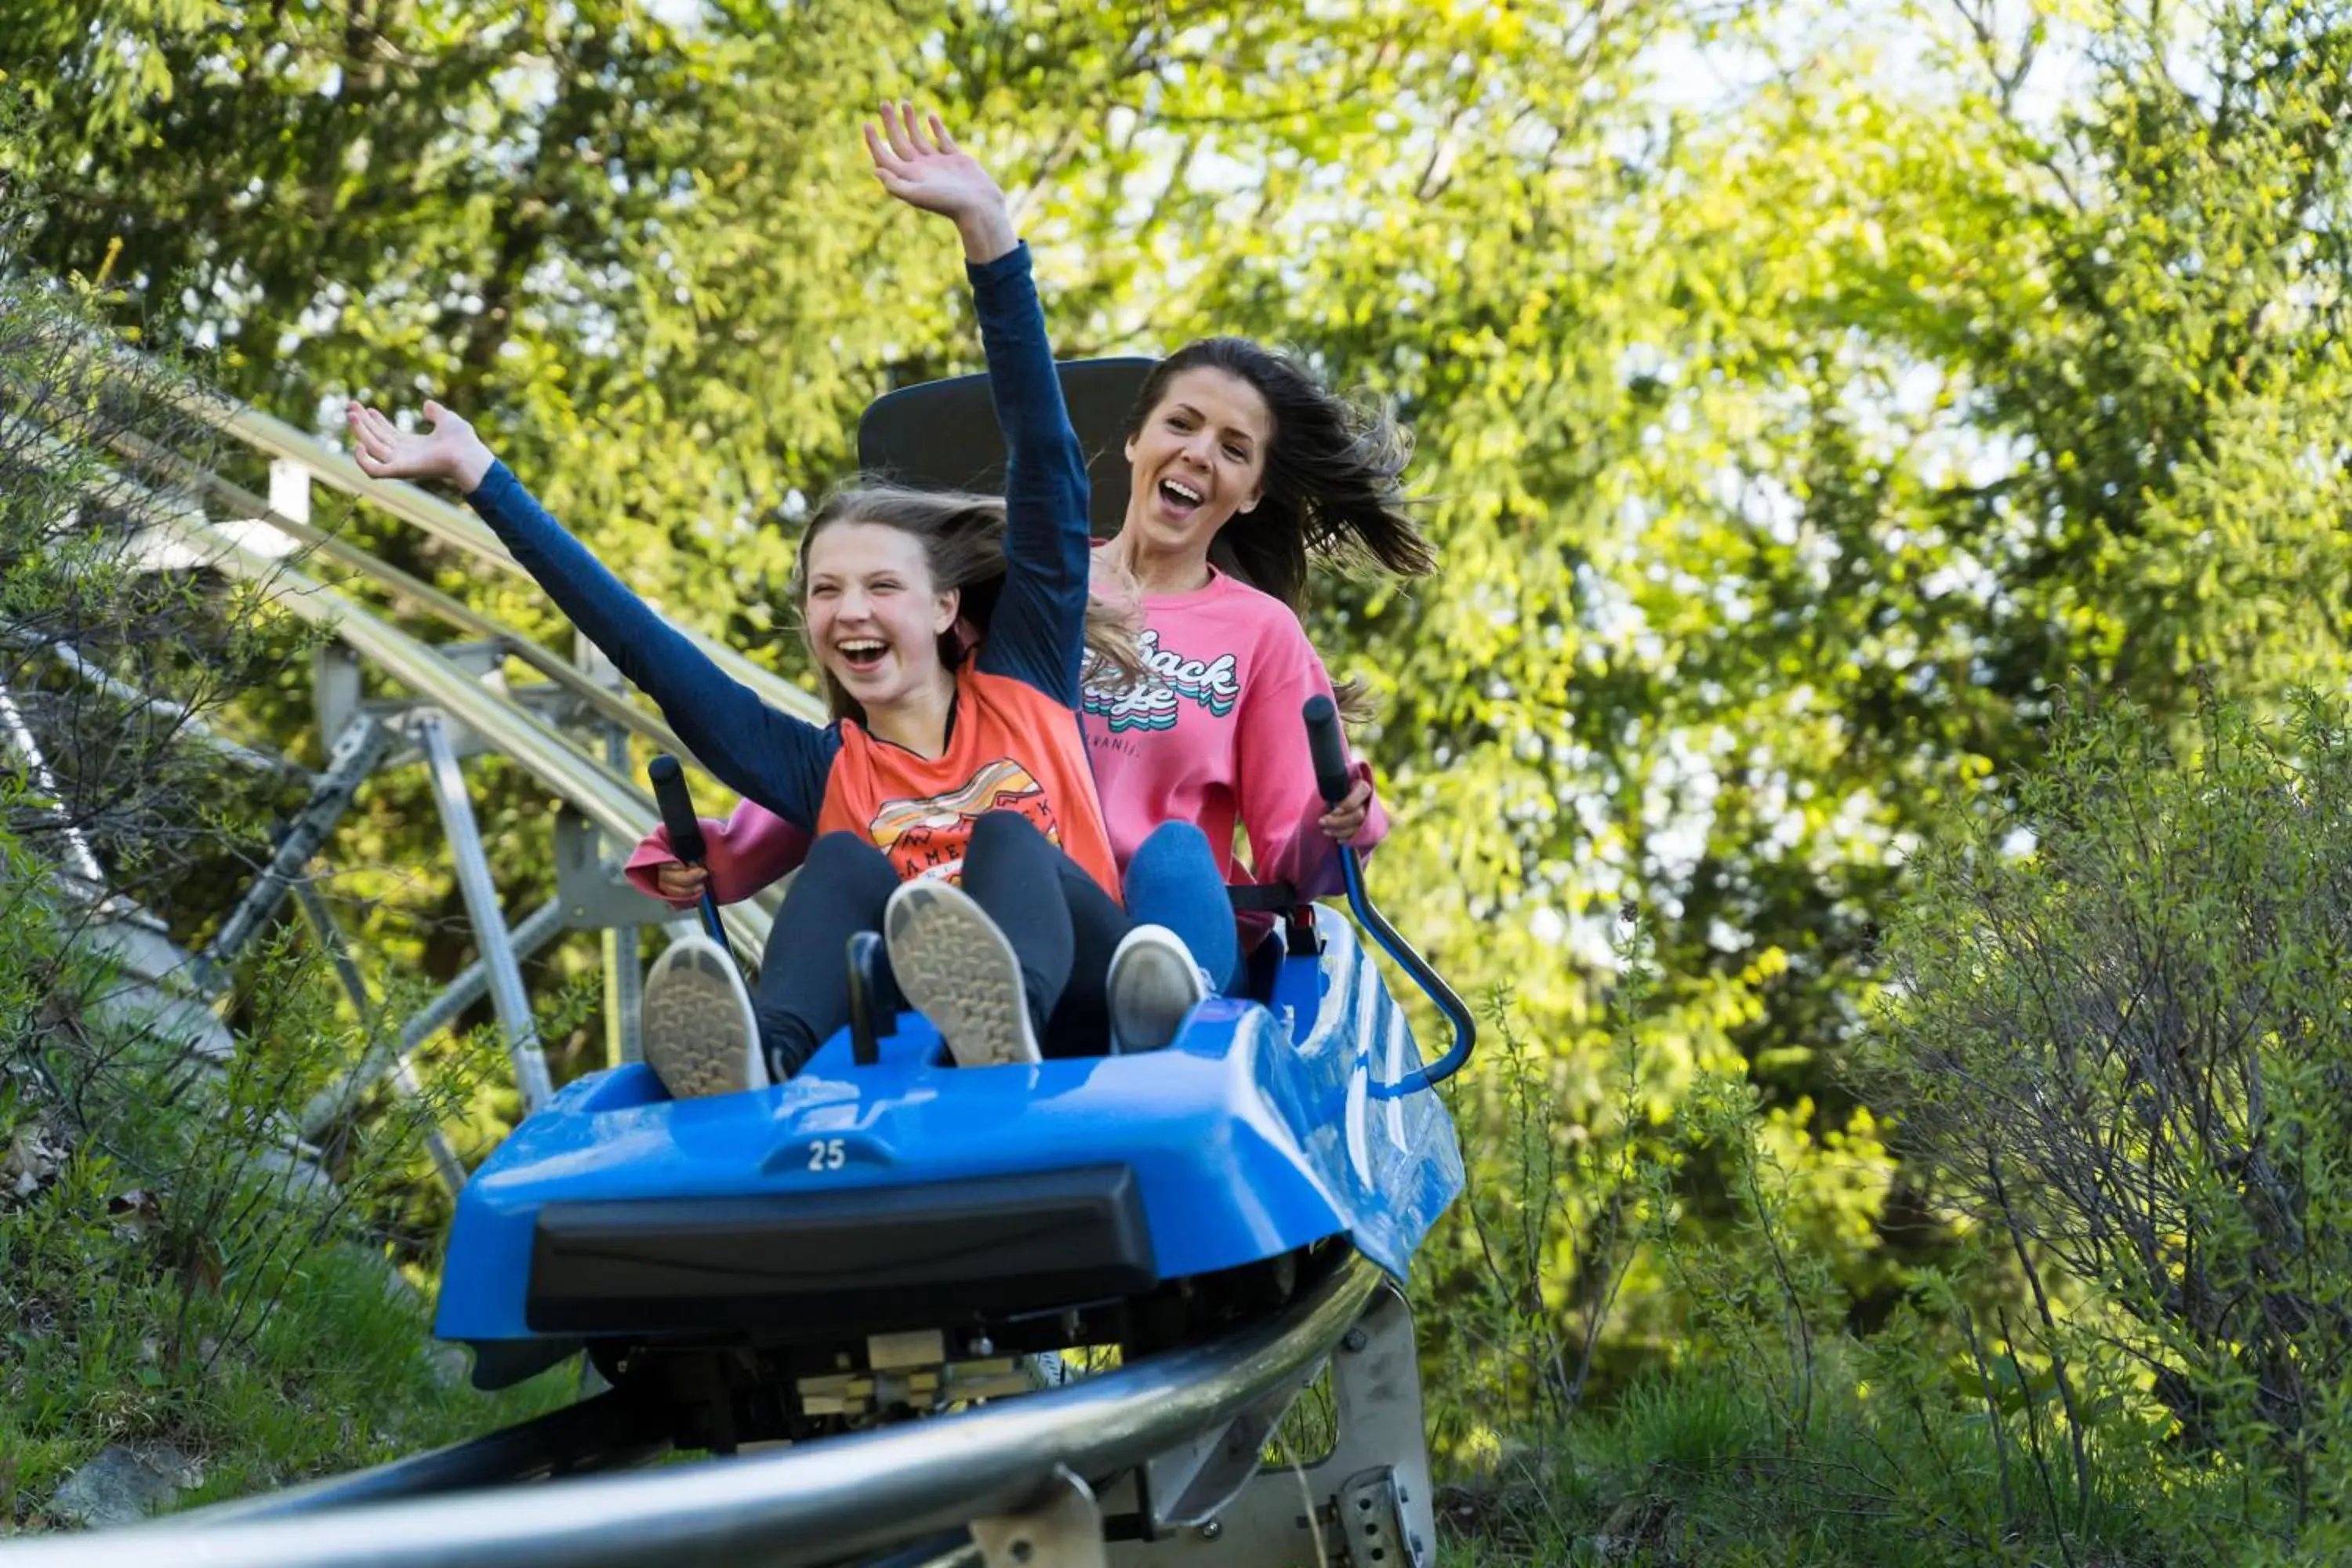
point(108, 1342)
point(1703, 1466)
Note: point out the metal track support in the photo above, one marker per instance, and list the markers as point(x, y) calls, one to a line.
point(505, 975)
point(625, 978)
point(290, 489)
point(1366, 1504)
point(79, 859)
point(617, 807)
point(175, 714)
point(625, 974)
point(354, 756)
point(544, 924)
point(604, 1432)
point(347, 970)
point(821, 1502)
point(624, 996)
point(1062, 1528)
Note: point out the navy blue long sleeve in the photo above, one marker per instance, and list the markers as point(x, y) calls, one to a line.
point(1037, 634)
point(764, 754)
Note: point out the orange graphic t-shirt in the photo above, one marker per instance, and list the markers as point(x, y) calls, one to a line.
point(1012, 748)
point(1014, 743)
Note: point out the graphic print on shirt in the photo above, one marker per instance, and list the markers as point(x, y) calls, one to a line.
point(926, 837)
point(1155, 701)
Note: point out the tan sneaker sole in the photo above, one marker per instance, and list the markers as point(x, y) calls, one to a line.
point(1152, 987)
point(956, 966)
point(701, 1037)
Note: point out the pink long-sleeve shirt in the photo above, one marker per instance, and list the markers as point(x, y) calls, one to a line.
point(743, 854)
point(1213, 738)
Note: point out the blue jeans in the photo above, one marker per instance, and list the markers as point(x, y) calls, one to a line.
point(1173, 881)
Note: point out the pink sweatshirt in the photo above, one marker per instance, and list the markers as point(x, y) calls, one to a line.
point(1215, 738)
point(744, 854)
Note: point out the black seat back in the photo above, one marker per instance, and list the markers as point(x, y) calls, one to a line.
point(942, 435)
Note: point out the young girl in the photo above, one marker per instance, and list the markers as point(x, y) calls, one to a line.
point(1243, 469)
point(950, 761)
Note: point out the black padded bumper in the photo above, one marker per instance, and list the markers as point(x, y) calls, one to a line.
point(864, 1258)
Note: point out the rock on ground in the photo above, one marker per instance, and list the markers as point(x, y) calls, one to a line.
point(122, 1486)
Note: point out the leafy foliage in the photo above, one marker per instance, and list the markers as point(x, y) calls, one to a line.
point(1763, 540)
point(171, 1259)
point(2113, 1054)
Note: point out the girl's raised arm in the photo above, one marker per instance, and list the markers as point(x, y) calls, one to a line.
point(768, 756)
point(1039, 630)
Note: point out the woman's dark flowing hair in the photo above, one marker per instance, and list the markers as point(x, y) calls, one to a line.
point(1331, 492)
point(1331, 473)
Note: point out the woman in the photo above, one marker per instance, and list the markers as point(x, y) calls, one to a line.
point(1241, 468)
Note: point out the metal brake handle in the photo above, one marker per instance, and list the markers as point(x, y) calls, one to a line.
point(686, 841)
point(1333, 777)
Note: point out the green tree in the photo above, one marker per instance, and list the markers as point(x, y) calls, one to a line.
point(1786, 447)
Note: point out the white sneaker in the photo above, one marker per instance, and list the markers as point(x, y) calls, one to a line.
point(956, 966)
point(701, 1036)
point(1153, 986)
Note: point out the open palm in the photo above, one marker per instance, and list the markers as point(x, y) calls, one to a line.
point(921, 165)
point(447, 448)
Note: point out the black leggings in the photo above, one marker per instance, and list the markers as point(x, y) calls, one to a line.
point(1062, 925)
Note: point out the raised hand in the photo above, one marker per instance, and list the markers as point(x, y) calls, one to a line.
point(447, 448)
point(920, 164)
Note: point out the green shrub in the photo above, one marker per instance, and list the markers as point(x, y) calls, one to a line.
point(2123, 1049)
point(2115, 1060)
point(174, 1264)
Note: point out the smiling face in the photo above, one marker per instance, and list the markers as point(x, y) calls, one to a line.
point(873, 614)
point(1199, 459)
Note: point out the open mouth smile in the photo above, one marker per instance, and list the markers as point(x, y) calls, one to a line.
point(862, 654)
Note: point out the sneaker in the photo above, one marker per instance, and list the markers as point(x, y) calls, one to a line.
point(1153, 986)
point(956, 966)
point(700, 1034)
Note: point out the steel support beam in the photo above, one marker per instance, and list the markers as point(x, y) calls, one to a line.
point(473, 983)
point(329, 934)
point(505, 975)
point(625, 974)
point(450, 523)
point(624, 967)
point(188, 723)
point(618, 806)
point(79, 860)
point(1368, 1501)
point(1060, 1529)
point(352, 758)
